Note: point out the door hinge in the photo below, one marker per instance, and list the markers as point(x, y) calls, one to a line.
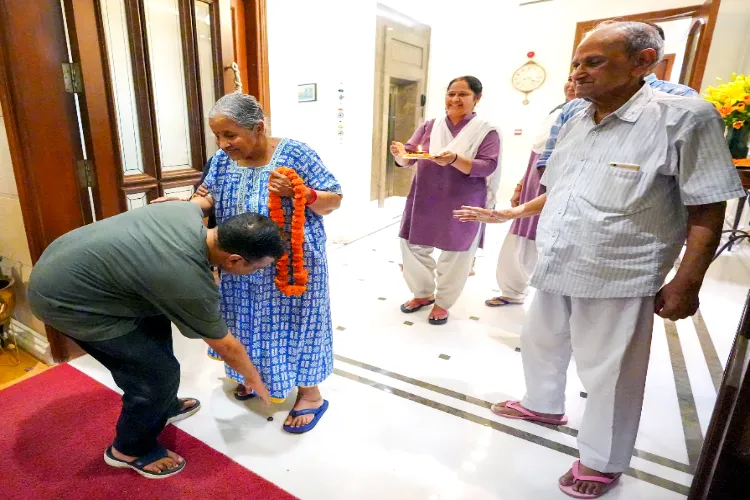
point(86, 175)
point(72, 78)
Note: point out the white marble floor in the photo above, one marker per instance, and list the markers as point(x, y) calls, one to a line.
point(408, 416)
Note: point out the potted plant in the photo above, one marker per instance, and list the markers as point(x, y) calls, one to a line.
point(732, 100)
point(7, 296)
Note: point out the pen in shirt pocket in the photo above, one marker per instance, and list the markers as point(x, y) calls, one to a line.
point(626, 166)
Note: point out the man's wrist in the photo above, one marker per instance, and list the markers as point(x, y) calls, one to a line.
point(687, 280)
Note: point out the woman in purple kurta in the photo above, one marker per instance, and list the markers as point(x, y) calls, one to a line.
point(518, 255)
point(463, 157)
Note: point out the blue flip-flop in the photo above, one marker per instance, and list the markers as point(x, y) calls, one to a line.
point(318, 412)
point(499, 302)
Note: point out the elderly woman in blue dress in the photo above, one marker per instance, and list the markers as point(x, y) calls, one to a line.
point(288, 338)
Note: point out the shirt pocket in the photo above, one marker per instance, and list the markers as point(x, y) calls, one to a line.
point(615, 189)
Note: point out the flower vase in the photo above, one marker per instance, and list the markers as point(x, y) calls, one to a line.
point(737, 140)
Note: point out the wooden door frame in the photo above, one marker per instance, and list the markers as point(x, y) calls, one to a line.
point(701, 56)
point(383, 75)
point(256, 32)
point(669, 59)
point(30, 158)
point(98, 126)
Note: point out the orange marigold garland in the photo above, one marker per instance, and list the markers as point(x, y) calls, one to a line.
point(297, 237)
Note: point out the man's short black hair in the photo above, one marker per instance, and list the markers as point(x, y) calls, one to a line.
point(251, 236)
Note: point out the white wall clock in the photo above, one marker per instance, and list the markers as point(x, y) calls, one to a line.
point(528, 78)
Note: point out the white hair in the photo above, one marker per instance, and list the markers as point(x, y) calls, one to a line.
point(242, 109)
point(638, 37)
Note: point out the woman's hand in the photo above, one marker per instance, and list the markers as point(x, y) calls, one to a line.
point(515, 200)
point(202, 191)
point(445, 159)
point(162, 199)
point(281, 185)
point(397, 149)
point(476, 214)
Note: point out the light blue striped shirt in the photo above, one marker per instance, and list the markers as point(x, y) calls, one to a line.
point(615, 231)
point(577, 105)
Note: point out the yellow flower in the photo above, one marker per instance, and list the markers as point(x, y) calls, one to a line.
point(738, 125)
point(727, 97)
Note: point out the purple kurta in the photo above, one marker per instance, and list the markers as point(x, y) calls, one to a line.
point(437, 191)
point(526, 227)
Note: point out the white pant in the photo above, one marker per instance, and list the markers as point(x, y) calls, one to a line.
point(610, 340)
point(515, 265)
point(452, 271)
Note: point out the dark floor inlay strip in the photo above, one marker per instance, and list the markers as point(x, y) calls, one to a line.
point(569, 431)
point(690, 424)
point(511, 431)
point(709, 350)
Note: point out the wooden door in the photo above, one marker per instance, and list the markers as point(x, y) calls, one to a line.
point(152, 69)
point(699, 44)
point(724, 464)
point(238, 40)
point(133, 126)
point(244, 42)
point(43, 134)
point(699, 40)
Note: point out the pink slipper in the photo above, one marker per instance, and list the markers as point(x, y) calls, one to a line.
point(607, 481)
point(528, 415)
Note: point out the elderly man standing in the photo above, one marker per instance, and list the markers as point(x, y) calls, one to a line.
point(632, 177)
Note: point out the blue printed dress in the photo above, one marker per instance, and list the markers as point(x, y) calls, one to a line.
point(289, 339)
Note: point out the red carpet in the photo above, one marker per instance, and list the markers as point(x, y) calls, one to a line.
point(55, 426)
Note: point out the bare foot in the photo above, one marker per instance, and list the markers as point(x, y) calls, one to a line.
point(308, 398)
point(438, 313)
point(187, 403)
point(417, 302)
point(586, 487)
point(165, 464)
point(501, 410)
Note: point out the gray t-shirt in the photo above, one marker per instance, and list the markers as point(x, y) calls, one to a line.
point(99, 281)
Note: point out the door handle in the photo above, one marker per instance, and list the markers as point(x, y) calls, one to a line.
point(237, 80)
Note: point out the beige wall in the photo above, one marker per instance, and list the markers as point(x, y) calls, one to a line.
point(14, 247)
point(486, 38)
point(730, 48)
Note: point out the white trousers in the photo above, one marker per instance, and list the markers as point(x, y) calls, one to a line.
point(515, 265)
point(452, 271)
point(610, 340)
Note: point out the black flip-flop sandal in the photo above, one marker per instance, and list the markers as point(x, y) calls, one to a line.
point(185, 412)
point(434, 321)
point(140, 463)
point(406, 310)
point(245, 397)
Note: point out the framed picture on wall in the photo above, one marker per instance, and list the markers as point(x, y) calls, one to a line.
point(307, 92)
